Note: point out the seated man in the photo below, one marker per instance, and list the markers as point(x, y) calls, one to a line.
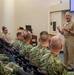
point(37, 52)
point(6, 36)
point(26, 47)
point(8, 68)
point(3, 70)
point(18, 41)
point(11, 68)
point(50, 62)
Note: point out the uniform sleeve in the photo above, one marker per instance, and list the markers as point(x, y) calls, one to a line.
point(3, 70)
point(73, 27)
point(16, 44)
point(32, 54)
point(14, 66)
point(57, 68)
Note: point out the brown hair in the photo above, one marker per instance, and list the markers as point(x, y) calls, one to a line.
point(3, 28)
point(44, 35)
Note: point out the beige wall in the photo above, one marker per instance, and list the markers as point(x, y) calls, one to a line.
point(55, 16)
point(1, 12)
point(32, 12)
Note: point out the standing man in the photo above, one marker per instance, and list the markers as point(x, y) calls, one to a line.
point(68, 32)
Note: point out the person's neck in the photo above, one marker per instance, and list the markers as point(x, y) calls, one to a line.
point(56, 51)
point(22, 41)
point(44, 44)
point(69, 21)
point(28, 41)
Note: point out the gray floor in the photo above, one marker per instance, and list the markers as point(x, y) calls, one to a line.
point(61, 55)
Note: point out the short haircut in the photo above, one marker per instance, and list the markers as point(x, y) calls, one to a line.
point(44, 35)
point(3, 28)
point(19, 33)
point(21, 28)
point(55, 42)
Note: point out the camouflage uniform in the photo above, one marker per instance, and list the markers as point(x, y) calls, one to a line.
point(70, 73)
point(14, 66)
point(17, 44)
point(24, 49)
point(5, 64)
point(36, 54)
point(4, 59)
point(52, 65)
point(3, 70)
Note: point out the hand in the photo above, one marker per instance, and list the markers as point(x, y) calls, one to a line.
point(58, 27)
point(9, 68)
point(66, 29)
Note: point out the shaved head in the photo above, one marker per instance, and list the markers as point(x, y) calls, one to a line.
point(44, 36)
point(55, 42)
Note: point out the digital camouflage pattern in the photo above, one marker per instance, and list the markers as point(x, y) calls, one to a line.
point(52, 65)
point(4, 59)
point(14, 66)
point(36, 54)
point(70, 73)
point(4, 62)
point(17, 44)
point(3, 70)
point(24, 49)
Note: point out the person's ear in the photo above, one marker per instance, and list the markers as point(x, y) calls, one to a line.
point(39, 39)
point(61, 47)
point(48, 39)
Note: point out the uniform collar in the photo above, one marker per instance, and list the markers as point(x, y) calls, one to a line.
point(69, 22)
point(43, 46)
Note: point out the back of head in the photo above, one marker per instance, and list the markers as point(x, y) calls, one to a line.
point(55, 43)
point(25, 34)
point(29, 35)
point(44, 36)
